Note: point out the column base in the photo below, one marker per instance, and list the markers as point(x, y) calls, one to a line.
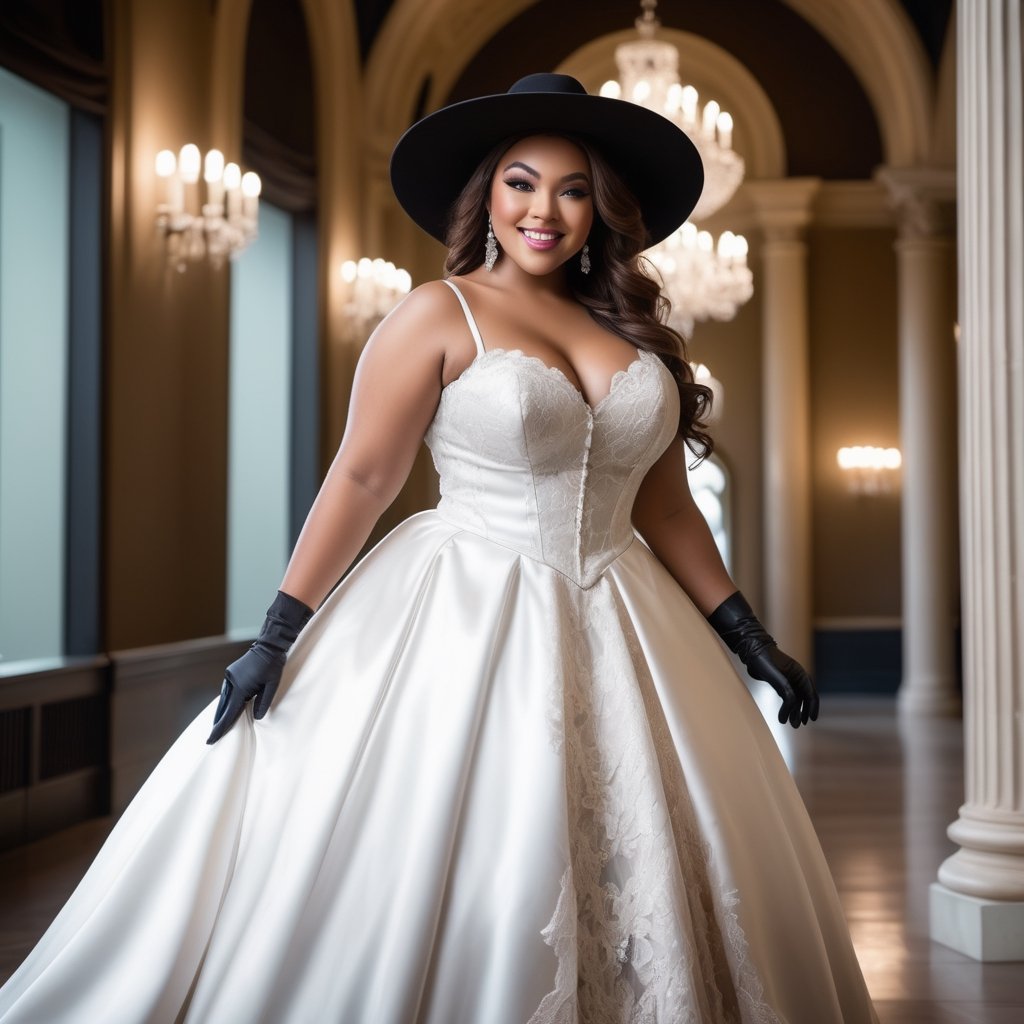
point(917, 699)
point(988, 930)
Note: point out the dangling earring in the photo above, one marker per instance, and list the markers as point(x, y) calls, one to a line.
point(491, 248)
point(585, 258)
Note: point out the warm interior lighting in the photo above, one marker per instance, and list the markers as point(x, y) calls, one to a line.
point(869, 470)
point(372, 289)
point(215, 227)
point(166, 162)
point(189, 162)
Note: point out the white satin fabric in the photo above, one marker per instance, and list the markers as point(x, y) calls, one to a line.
point(510, 777)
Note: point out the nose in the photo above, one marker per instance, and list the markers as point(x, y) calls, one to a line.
point(544, 205)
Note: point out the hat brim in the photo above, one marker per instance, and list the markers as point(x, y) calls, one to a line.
point(436, 156)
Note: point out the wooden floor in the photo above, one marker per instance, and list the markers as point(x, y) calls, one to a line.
point(881, 793)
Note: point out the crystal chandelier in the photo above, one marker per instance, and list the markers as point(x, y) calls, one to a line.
point(703, 279)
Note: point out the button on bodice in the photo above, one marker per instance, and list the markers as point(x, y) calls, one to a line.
point(526, 462)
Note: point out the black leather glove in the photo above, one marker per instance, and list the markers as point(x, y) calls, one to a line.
point(257, 672)
point(735, 622)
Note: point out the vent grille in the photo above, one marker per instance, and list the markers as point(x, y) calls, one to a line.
point(15, 724)
point(73, 735)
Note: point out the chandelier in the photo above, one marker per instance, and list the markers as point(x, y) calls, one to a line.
point(219, 228)
point(703, 279)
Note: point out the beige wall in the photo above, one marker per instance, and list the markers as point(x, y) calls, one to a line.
point(165, 401)
point(852, 289)
point(855, 400)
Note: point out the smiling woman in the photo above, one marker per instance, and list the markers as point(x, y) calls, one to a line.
point(551, 212)
point(506, 764)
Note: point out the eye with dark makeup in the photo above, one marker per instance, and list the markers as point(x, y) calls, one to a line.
point(514, 182)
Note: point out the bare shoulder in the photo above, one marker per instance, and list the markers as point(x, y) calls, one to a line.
point(423, 308)
point(423, 322)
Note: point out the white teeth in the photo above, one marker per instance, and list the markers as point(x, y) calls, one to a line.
point(540, 236)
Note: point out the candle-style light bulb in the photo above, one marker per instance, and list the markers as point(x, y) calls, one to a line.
point(232, 183)
point(213, 175)
point(166, 163)
point(688, 104)
point(166, 166)
point(725, 130)
point(189, 161)
point(251, 186)
point(213, 166)
point(711, 112)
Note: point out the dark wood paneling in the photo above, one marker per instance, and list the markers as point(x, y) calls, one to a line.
point(54, 757)
point(155, 693)
point(80, 736)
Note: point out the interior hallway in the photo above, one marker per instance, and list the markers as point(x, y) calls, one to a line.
point(881, 792)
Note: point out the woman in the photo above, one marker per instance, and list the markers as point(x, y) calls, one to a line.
point(510, 775)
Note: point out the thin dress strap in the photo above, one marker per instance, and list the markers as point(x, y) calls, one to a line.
point(469, 316)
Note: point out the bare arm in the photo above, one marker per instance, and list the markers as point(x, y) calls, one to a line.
point(675, 530)
point(395, 392)
point(669, 520)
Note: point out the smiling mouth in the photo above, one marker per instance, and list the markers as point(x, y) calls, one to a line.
point(541, 236)
point(541, 241)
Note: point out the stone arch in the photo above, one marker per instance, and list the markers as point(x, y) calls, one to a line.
point(437, 38)
point(878, 41)
point(334, 45)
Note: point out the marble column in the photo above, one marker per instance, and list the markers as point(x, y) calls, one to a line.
point(977, 905)
point(783, 211)
point(923, 198)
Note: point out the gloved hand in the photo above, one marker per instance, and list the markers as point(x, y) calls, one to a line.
point(735, 622)
point(257, 672)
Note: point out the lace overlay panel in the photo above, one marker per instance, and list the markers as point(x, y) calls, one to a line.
point(655, 937)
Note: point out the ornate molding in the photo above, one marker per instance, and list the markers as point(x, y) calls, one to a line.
point(923, 198)
point(782, 209)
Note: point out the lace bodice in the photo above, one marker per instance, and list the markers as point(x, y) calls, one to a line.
point(525, 461)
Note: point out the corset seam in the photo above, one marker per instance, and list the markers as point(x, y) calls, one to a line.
point(533, 475)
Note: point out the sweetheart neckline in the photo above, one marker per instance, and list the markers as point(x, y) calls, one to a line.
point(559, 373)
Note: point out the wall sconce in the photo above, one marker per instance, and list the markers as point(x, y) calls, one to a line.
point(218, 229)
point(869, 470)
point(372, 289)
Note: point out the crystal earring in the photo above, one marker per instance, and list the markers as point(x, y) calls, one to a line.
point(491, 248)
point(585, 258)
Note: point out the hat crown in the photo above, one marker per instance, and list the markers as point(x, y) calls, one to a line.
point(547, 82)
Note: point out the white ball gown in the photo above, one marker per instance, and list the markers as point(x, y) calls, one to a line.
point(510, 777)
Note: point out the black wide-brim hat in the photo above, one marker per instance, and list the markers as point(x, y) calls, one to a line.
point(434, 159)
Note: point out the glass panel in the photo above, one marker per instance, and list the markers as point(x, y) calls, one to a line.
point(259, 420)
point(34, 157)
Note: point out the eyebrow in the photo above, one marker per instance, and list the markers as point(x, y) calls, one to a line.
point(529, 170)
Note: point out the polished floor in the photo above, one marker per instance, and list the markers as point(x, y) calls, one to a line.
point(881, 791)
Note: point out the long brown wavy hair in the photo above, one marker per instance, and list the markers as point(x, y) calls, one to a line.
point(620, 292)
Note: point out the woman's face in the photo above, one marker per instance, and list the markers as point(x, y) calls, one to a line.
point(540, 203)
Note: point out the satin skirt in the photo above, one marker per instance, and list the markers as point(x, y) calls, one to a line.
point(482, 796)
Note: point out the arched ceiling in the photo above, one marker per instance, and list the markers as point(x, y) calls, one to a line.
point(930, 18)
point(828, 125)
point(279, 139)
